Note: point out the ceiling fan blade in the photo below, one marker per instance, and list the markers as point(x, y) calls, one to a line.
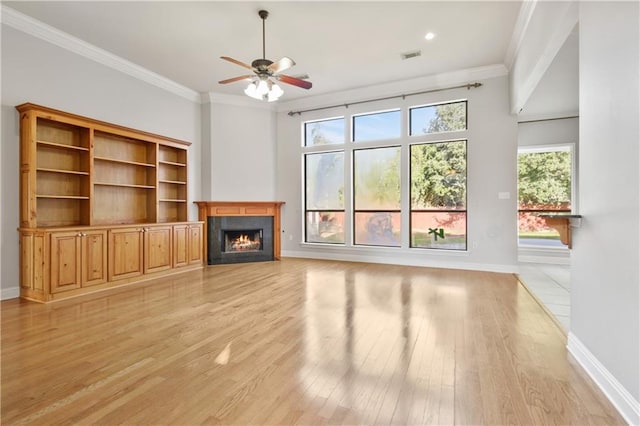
point(281, 65)
point(294, 81)
point(237, 62)
point(234, 79)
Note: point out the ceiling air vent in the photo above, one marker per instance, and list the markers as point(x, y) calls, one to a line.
point(409, 55)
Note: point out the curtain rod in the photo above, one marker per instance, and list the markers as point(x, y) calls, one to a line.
point(346, 105)
point(549, 119)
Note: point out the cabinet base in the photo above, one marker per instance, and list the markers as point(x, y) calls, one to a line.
point(122, 284)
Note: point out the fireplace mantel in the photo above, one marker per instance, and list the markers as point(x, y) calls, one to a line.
point(243, 208)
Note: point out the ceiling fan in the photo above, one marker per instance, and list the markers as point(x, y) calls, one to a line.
point(265, 71)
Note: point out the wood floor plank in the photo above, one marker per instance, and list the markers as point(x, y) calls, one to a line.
point(295, 342)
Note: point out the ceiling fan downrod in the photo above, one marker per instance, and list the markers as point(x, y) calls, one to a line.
point(263, 15)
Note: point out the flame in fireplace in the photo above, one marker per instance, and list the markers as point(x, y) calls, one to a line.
point(244, 243)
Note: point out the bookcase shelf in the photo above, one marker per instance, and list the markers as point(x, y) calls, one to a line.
point(70, 172)
point(62, 146)
point(115, 160)
point(92, 191)
point(124, 185)
point(63, 197)
point(171, 163)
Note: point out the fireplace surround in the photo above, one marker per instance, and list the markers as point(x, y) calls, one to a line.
point(237, 239)
point(251, 227)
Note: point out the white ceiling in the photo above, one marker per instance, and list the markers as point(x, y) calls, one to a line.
point(340, 45)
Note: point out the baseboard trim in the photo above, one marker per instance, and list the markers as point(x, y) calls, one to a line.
point(554, 256)
point(9, 293)
point(621, 399)
point(544, 259)
point(401, 260)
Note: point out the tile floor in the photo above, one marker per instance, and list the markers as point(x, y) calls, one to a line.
point(551, 284)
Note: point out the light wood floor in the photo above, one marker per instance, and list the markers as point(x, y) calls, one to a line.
point(296, 342)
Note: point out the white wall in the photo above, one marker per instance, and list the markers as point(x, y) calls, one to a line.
point(605, 275)
point(492, 149)
point(38, 72)
point(549, 132)
point(243, 149)
point(206, 170)
point(549, 25)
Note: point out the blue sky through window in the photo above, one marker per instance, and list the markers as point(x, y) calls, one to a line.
point(381, 125)
point(324, 132)
point(420, 119)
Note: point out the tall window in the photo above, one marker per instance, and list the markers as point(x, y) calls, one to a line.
point(376, 178)
point(544, 186)
point(439, 195)
point(324, 183)
point(325, 197)
point(354, 178)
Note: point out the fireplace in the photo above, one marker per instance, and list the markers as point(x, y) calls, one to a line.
point(236, 239)
point(241, 231)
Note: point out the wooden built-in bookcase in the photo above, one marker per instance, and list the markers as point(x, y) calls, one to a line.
point(100, 205)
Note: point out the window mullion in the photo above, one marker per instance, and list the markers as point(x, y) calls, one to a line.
point(405, 185)
point(348, 183)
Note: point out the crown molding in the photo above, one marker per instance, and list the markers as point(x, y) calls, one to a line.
point(35, 28)
point(522, 22)
point(435, 81)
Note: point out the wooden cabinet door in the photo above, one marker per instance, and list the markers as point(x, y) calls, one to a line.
point(94, 257)
point(157, 248)
point(195, 244)
point(65, 261)
point(180, 245)
point(125, 253)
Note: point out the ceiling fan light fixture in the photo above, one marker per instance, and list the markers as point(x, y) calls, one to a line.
point(264, 90)
point(275, 93)
point(252, 91)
